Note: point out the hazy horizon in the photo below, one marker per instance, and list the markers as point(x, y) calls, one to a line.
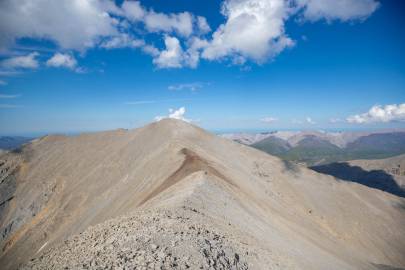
point(215, 131)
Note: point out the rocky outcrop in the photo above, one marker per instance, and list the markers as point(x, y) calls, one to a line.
point(148, 240)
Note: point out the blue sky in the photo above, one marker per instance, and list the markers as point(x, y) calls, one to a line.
point(288, 65)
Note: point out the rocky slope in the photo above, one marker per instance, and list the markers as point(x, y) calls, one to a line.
point(172, 196)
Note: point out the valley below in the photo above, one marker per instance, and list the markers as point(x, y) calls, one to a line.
point(320, 147)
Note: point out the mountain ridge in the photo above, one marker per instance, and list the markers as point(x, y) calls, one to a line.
point(289, 216)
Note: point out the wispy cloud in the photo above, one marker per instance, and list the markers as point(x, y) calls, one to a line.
point(268, 119)
point(335, 120)
point(3, 82)
point(187, 86)
point(10, 106)
point(122, 41)
point(8, 73)
point(9, 96)
point(309, 120)
point(31, 48)
point(28, 61)
point(296, 121)
point(142, 102)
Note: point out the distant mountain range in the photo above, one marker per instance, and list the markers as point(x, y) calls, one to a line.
point(12, 142)
point(317, 147)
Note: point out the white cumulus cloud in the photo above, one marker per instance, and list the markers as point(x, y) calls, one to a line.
point(62, 60)
point(175, 114)
point(82, 24)
point(254, 29)
point(28, 61)
point(343, 10)
point(133, 10)
point(203, 24)
point(72, 24)
point(380, 114)
point(181, 23)
point(173, 56)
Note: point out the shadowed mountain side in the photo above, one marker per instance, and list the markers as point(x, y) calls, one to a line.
point(378, 179)
point(387, 267)
point(10, 142)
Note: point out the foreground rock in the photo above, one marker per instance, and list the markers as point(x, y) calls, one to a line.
point(179, 239)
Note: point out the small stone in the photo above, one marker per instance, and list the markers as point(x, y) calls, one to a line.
point(161, 254)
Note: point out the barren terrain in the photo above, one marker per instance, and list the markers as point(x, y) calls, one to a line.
point(172, 196)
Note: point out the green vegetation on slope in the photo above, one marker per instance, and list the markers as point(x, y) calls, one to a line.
point(313, 150)
point(273, 145)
